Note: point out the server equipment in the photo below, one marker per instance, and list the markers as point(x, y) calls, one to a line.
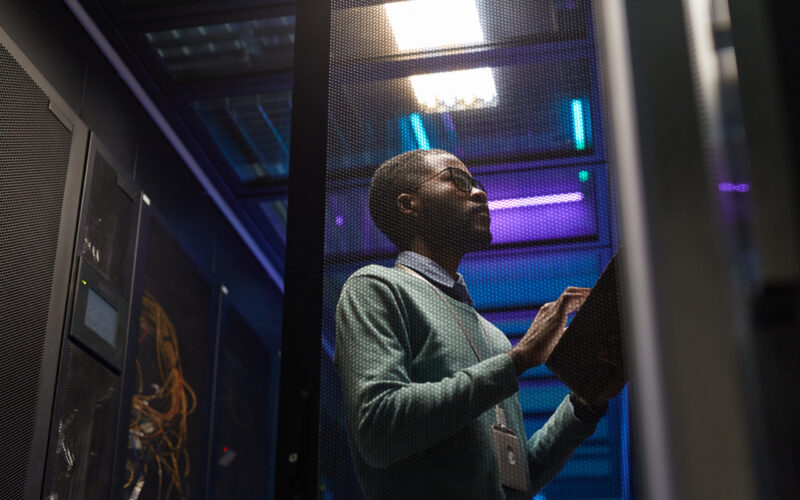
point(42, 148)
point(170, 379)
point(240, 457)
point(86, 414)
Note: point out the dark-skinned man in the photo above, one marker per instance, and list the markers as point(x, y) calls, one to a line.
point(430, 387)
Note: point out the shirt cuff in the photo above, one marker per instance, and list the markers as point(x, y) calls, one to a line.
point(587, 413)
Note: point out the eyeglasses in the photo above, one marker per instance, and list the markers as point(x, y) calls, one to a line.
point(460, 179)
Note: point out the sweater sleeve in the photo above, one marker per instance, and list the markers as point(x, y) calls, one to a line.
point(552, 445)
point(390, 416)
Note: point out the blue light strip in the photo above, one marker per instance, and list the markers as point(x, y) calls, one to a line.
point(274, 130)
point(262, 162)
point(624, 445)
point(147, 103)
point(419, 131)
point(327, 347)
point(578, 131)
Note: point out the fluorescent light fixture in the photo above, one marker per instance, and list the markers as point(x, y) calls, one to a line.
point(455, 90)
point(427, 24)
point(419, 131)
point(727, 187)
point(578, 131)
point(533, 201)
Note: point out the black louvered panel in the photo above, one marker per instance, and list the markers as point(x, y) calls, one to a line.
point(34, 153)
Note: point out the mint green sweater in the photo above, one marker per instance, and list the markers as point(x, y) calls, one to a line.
point(420, 407)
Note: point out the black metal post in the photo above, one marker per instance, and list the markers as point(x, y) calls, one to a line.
point(298, 411)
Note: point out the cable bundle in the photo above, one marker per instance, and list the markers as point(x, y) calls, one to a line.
point(158, 420)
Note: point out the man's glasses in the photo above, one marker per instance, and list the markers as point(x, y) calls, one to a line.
point(460, 179)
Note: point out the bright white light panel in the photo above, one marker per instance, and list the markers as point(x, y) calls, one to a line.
point(429, 24)
point(455, 90)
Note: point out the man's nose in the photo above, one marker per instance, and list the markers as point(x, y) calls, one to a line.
point(478, 195)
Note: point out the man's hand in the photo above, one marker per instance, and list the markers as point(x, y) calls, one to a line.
point(546, 329)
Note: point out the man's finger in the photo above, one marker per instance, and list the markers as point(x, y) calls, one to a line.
point(574, 292)
point(546, 306)
point(571, 303)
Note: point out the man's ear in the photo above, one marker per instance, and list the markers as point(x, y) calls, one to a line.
point(408, 204)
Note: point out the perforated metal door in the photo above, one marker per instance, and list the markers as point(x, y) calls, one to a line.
point(34, 158)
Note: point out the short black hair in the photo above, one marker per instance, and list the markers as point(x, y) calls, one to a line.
point(394, 177)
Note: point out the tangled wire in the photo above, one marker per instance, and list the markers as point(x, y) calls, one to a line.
point(158, 420)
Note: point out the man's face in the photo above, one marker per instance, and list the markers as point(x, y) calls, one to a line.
point(450, 217)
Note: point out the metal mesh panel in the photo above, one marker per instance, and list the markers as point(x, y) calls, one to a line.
point(170, 428)
point(108, 226)
point(83, 461)
point(241, 452)
point(511, 90)
point(34, 151)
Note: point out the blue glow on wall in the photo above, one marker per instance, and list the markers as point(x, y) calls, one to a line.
point(407, 142)
point(578, 130)
point(625, 459)
point(419, 131)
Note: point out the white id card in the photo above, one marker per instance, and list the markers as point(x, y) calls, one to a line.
point(510, 462)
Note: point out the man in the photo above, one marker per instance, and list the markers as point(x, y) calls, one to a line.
point(430, 387)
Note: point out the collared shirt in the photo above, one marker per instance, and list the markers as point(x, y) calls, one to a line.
point(433, 272)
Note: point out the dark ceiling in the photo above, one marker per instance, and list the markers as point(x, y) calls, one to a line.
point(221, 74)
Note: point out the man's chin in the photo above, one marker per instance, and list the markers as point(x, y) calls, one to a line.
point(480, 241)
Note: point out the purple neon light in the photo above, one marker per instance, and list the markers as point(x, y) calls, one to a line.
point(448, 121)
point(727, 187)
point(339, 220)
point(533, 201)
point(560, 212)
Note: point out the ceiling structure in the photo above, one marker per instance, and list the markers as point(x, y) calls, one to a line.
point(220, 73)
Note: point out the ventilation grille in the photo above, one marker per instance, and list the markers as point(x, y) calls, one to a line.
point(34, 154)
point(85, 429)
point(108, 228)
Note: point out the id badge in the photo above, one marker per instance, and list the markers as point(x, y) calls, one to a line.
point(510, 461)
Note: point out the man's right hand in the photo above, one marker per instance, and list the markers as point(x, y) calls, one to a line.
point(546, 330)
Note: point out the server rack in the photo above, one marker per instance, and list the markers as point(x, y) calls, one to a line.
point(176, 332)
point(96, 337)
point(42, 150)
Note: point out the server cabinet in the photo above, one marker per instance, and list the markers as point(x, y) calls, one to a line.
point(512, 89)
point(239, 458)
point(42, 148)
point(86, 414)
point(168, 394)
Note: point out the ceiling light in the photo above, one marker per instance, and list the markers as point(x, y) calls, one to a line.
point(455, 90)
point(427, 24)
point(534, 201)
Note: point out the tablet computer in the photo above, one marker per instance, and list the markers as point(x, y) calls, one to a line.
point(592, 351)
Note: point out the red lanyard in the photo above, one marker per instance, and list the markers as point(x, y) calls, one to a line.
point(499, 414)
